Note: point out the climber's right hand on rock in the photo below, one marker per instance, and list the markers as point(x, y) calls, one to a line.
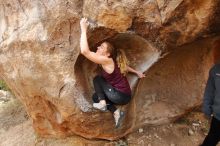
point(140, 74)
point(84, 24)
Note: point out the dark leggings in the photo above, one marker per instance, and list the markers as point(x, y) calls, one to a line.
point(104, 91)
point(213, 136)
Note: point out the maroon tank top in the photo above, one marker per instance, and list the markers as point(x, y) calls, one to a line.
point(117, 80)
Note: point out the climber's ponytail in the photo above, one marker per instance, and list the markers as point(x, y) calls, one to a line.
point(122, 61)
point(119, 56)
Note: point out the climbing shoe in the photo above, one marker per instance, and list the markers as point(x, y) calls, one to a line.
point(100, 106)
point(119, 118)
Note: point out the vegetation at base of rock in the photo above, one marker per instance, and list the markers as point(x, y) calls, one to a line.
point(3, 86)
point(121, 143)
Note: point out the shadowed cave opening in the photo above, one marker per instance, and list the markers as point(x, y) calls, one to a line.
point(173, 84)
point(140, 53)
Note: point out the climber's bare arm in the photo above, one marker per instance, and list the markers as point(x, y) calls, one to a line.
point(84, 47)
point(138, 73)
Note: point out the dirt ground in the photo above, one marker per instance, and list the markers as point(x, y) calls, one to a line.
point(16, 130)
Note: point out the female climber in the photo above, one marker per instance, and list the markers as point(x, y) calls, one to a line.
point(111, 86)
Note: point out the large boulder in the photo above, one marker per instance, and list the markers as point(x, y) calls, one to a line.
point(41, 63)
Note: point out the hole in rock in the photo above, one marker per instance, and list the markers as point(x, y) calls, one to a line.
point(140, 53)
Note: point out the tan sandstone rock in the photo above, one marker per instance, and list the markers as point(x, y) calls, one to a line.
point(40, 60)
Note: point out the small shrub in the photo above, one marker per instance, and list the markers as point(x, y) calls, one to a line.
point(3, 86)
point(121, 143)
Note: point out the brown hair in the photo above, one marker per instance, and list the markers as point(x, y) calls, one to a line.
point(119, 56)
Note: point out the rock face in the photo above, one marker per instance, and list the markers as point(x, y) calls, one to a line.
point(40, 60)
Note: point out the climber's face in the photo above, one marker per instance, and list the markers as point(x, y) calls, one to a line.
point(102, 49)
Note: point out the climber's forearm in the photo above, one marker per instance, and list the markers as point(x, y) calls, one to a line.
point(138, 73)
point(84, 47)
point(129, 69)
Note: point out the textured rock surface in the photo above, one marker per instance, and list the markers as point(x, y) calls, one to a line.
point(174, 85)
point(40, 61)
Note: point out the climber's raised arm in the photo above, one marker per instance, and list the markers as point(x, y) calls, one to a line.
point(138, 73)
point(84, 47)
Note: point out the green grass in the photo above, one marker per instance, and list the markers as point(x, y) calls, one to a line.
point(3, 86)
point(121, 143)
